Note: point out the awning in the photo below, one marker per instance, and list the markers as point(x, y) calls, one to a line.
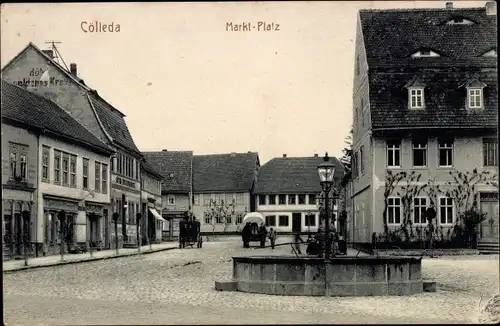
point(156, 214)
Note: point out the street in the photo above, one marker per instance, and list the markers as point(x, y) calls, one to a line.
point(177, 287)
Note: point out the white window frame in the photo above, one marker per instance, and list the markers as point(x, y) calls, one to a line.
point(452, 205)
point(472, 94)
point(419, 146)
point(239, 218)
point(413, 93)
point(206, 199)
point(445, 145)
point(315, 219)
point(239, 198)
point(393, 148)
point(421, 208)
point(169, 197)
point(275, 221)
point(395, 207)
point(287, 220)
point(196, 199)
point(289, 200)
point(487, 142)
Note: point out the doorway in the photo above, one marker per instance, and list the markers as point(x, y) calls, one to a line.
point(296, 222)
point(489, 205)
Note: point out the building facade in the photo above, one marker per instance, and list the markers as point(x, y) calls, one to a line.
point(424, 134)
point(151, 204)
point(223, 189)
point(66, 161)
point(37, 71)
point(288, 193)
point(176, 189)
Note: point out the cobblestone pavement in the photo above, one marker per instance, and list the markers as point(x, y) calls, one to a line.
point(176, 287)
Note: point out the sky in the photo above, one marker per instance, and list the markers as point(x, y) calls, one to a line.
point(186, 83)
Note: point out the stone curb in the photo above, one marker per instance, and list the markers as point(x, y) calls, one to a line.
point(59, 263)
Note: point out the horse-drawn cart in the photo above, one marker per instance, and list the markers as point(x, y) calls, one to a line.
point(189, 234)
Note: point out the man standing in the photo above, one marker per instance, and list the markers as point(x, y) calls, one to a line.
point(262, 235)
point(298, 240)
point(272, 237)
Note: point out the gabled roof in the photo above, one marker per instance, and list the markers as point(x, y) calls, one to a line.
point(390, 35)
point(295, 175)
point(19, 106)
point(175, 167)
point(224, 172)
point(108, 116)
point(150, 169)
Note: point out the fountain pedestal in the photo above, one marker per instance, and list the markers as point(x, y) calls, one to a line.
point(341, 276)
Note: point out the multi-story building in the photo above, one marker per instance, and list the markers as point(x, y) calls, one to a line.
point(288, 193)
point(37, 71)
point(50, 163)
point(152, 221)
point(177, 186)
point(425, 105)
point(224, 182)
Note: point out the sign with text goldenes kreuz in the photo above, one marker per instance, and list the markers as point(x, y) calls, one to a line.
point(40, 77)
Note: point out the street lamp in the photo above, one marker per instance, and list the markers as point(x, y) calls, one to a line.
point(326, 172)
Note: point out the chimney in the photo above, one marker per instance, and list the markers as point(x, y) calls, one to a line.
point(491, 8)
point(49, 53)
point(164, 150)
point(284, 155)
point(449, 5)
point(249, 152)
point(315, 155)
point(72, 69)
point(233, 154)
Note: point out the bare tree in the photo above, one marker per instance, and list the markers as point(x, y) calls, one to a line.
point(220, 212)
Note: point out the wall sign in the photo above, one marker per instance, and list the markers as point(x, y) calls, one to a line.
point(40, 77)
point(56, 205)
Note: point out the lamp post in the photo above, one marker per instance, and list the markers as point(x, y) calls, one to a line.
point(115, 219)
point(62, 225)
point(137, 221)
point(26, 235)
point(326, 171)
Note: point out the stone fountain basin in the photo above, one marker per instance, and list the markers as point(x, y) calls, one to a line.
point(342, 276)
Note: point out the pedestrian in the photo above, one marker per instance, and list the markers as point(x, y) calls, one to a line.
point(272, 237)
point(262, 235)
point(246, 233)
point(298, 240)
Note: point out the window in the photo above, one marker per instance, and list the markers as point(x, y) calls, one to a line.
point(229, 198)
point(310, 220)
point(282, 199)
point(419, 207)
point(475, 98)
point(419, 153)
point(271, 220)
point(104, 178)
point(219, 219)
point(425, 53)
point(57, 167)
point(229, 219)
point(394, 210)
point(23, 167)
point(97, 187)
point(416, 98)
point(445, 153)
point(312, 199)
point(283, 220)
point(272, 199)
point(361, 160)
point(217, 199)
point(393, 153)
point(196, 200)
point(302, 199)
point(65, 169)
point(171, 200)
point(446, 210)
point(207, 218)
point(206, 200)
point(490, 152)
point(239, 218)
point(72, 171)
point(291, 199)
point(239, 199)
point(262, 199)
point(85, 173)
point(45, 163)
point(355, 165)
point(459, 21)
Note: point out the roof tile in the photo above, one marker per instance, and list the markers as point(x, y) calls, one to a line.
point(175, 167)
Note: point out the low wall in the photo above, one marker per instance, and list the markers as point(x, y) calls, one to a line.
point(342, 276)
point(426, 252)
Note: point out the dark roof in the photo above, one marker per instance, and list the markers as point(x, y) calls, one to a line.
point(283, 175)
point(27, 108)
point(149, 168)
point(407, 31)
point(224, 172)
point(175, 167)
point(391, 67)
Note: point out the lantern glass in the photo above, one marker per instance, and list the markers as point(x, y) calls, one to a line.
point(326, 171)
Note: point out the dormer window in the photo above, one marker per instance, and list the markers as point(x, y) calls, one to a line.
point(425, 53)
point(416, 98)
point(475, 98)
point(460, 21)
point(490, 53)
